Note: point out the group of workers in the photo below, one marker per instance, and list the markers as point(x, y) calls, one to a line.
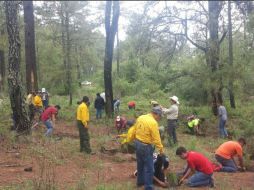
point(38, 103)
point(144, 133)
point(99, 104)
point(146, 136)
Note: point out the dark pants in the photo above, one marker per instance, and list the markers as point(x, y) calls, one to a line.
point(45, 103)
point(144, 154)
point(84, 138)
point(228, 165)
point(172, 130)
point(31, 111)
point(191, 130)
point(98, 113)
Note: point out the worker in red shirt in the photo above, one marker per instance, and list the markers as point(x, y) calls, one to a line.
point(48, 117)
point(197, 164)
point(131, 105)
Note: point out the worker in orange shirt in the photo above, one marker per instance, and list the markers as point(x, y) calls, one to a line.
point(227, 151)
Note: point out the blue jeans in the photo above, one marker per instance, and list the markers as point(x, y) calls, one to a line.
point(98, 113)
point(145, 167)
point(200, 179)
point(228, 165)
point(45, 103)
point(223, 131)
point(49, 127)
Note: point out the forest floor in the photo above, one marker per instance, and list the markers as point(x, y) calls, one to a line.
point(56, 163)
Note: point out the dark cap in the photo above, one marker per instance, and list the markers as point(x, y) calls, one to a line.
point(157, 110)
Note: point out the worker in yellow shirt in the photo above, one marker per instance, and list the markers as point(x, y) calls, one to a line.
point(146, 135)
point(126, 145)
point(37, 102)
point(82, 123)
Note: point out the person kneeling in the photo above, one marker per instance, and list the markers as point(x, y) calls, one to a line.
point(161, 169)
point(126, 144)
point(227, 151)
point(197, 164)
point(193, 125)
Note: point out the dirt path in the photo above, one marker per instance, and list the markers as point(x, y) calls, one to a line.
point(58, 163)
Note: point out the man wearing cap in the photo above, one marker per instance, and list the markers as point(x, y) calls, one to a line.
point(82, 123)
point(120, 123)
point(146, 135)
point(172, 116)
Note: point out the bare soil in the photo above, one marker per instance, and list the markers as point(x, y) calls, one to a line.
point(74, 166)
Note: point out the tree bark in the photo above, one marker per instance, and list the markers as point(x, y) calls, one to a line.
point(213, 52)
point(118, 52)
point(68, 50)
point(2, 70)
point(111, 28)
point(230, 58)
point(30, 54)
point(78, 58)
point(20, 116)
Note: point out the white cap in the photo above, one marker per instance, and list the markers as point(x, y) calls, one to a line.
point(43, 90)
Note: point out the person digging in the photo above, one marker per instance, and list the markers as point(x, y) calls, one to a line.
point(48, 117)
point(146, 135)
point(126, 144)
point(194, 125)
point(197, 164)
point(227, 151)
point(161, 169)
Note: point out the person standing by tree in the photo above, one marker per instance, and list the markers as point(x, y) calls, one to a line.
point(29, 102)
point(146, 134)
point(45, 98)
point(222, 113)
point(116, 105)
point(48, 117)
point(172, 116)
point(99, 105)
point(83, 118)
point(38, 103)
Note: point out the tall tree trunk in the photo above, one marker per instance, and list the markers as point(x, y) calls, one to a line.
point(214, 51)
point(118, 52)
point(30, 54)
point(111, 28)
point(78, 58)
point(68, 50)
point(39, 75)
point(230, 58)
point(2, 70)
point(63, 34)
point(20, 115)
